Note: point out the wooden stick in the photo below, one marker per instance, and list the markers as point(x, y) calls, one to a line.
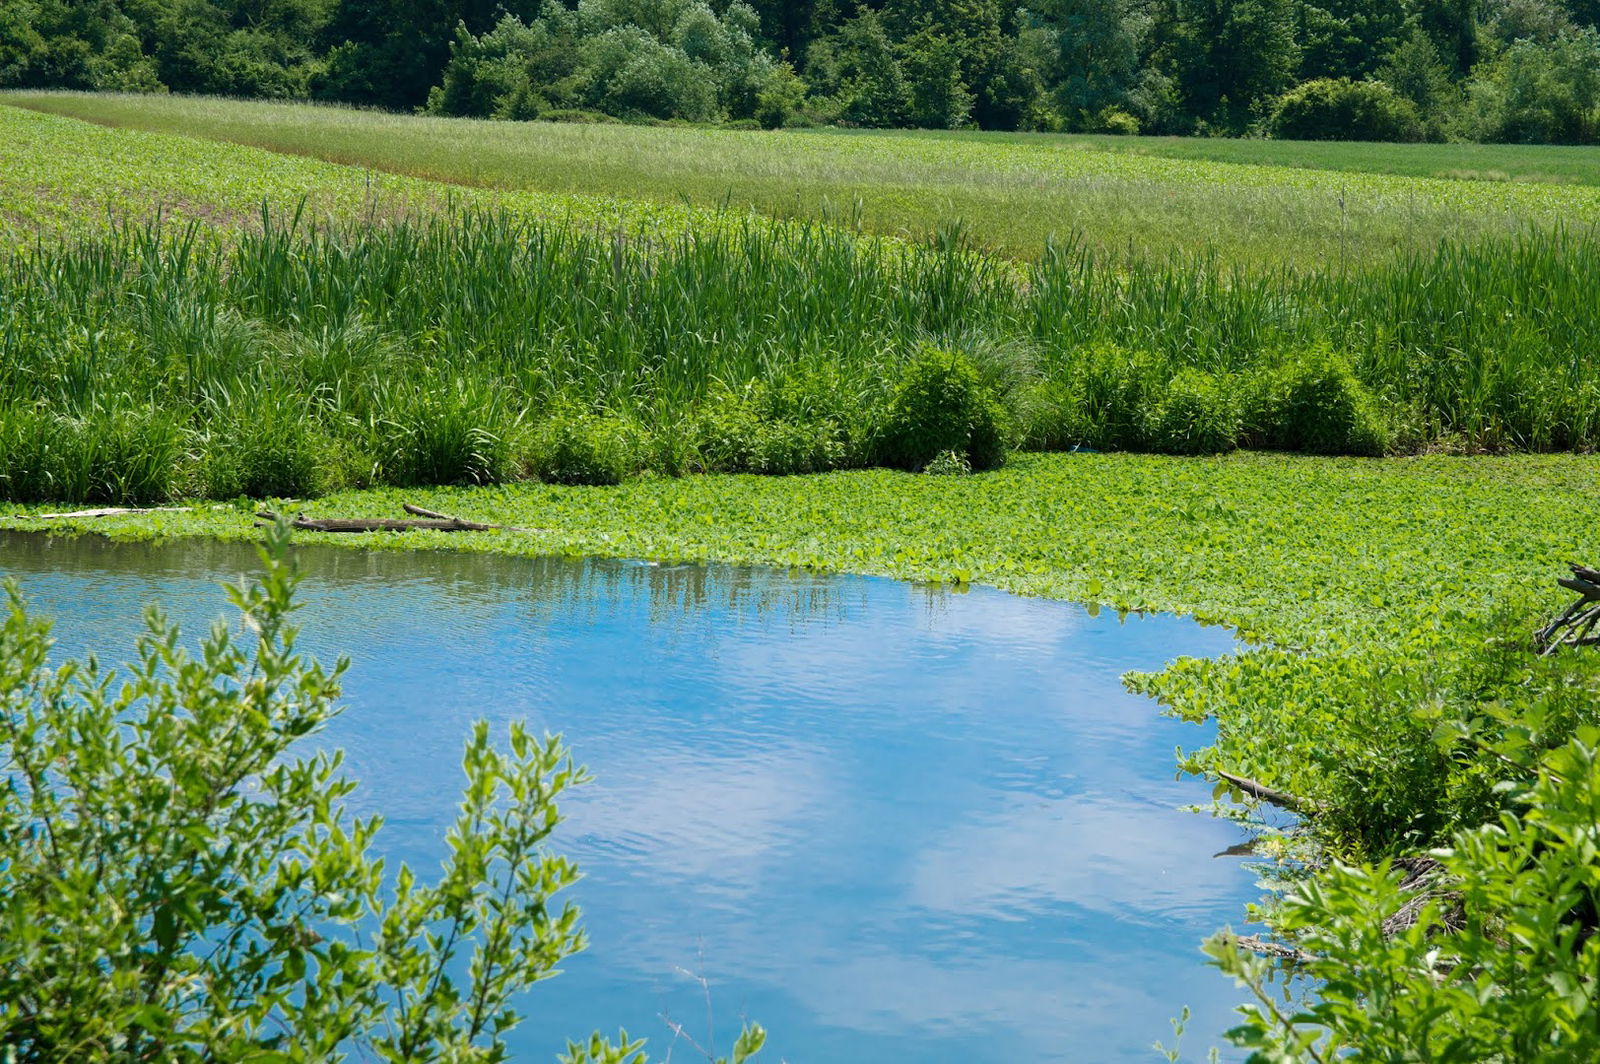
point(1257, 944)
point(416, 511)
point(1267, 794)
point(108, 511)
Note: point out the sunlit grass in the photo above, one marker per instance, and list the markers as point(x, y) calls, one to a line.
point(1012, 193)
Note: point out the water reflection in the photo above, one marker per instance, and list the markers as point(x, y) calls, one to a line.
point(888, 821)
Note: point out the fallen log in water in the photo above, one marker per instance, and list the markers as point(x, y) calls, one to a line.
point(422, 520)
point(1278, 798)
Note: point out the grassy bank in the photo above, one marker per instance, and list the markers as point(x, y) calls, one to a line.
point(1014, 193)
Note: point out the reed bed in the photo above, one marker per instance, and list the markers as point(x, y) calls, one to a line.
point(475, 347)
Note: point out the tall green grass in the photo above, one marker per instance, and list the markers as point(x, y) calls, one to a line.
point(477, 347)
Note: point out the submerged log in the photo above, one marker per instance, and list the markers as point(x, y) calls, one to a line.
point(1268, 948)
point(423, 520)
point(376, 524)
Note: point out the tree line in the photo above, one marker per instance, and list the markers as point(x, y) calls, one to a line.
point(1488, 70)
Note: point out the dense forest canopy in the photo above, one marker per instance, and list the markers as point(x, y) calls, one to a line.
point(1491, 70)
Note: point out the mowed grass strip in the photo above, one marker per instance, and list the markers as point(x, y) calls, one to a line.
point(1548, 164)
point(60, 176)
point(1013, 193)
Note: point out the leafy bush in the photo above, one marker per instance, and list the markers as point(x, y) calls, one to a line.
point(1538, 92)
point(1315, 404)
point(573, 446)
point(632, 74)
point(780, 99)
point(732, 436)
point(175, 883)
point(1196, 414)
point(948, 464)
point(1341, 109)
point(1117, 121)
point(940, 405)
point(1499, 963)
point(1103, 394)
point(672, 62)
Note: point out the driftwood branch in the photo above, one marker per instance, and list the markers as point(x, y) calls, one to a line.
point(1281, 799)
point(1575, 627)
point(1268, 948)
point(108, 511)
point(422, 520)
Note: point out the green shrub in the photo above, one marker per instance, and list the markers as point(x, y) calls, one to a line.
point(948, 464)
point(940, 405)
point(1341, 109)
point(573, 446)
point(780, 97)
point(1110, 388)
point(1498, 964)
point(731, 435)
point(1315, 404)
point(1196, 414)
point(1117, 121)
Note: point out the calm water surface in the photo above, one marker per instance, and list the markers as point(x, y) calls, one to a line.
point(888, 822)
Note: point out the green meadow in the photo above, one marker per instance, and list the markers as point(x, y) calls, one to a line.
point(1250, 203)
point(537, 326)
point(63, 179)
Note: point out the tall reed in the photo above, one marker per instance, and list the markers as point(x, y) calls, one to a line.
point(438, 349)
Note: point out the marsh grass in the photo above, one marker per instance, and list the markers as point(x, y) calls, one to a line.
point(473, 347)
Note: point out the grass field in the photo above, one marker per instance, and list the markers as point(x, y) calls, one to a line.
point(60, 177)
point(1555, 164)
point(1139, 198)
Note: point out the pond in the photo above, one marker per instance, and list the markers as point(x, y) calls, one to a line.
point(888, 822)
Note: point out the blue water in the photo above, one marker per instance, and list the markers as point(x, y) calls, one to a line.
point(886, 821)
